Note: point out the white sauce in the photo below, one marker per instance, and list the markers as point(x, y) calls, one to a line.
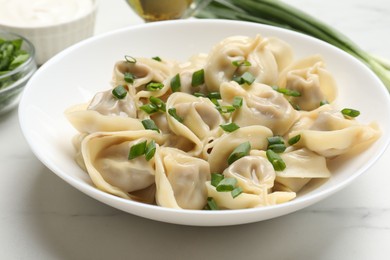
point(33, 13)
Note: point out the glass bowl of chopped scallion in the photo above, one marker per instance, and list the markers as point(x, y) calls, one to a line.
point(17, 65)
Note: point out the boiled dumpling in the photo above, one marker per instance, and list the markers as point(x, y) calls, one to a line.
point(181, 179)
point(261, 106)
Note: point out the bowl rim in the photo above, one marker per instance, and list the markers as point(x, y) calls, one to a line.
point(95, 4)
point(24, 66)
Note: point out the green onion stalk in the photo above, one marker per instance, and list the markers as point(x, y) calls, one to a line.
point(280, 14)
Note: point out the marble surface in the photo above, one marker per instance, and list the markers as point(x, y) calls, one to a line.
point(42, 217)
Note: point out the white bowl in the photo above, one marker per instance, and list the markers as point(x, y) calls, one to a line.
point(89, 65)
point(53, 38)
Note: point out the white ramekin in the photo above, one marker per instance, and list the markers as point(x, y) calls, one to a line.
point(49, 40)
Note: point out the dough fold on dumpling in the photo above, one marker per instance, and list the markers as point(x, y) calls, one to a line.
point(327, 132)
point(261, 106)
point(311, 80)
point(105, 155)
point(180, 179)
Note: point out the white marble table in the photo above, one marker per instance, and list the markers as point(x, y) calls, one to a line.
point(42, 217)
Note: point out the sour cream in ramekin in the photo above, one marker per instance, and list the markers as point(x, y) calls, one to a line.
point(36, 13)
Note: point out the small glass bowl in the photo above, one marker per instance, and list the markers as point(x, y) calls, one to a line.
point(12, 83)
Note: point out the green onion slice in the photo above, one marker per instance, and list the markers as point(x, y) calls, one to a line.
point(137, 150)
point(287, 92)
point(149, 108)
point(237, 102)
point(154, 86)
point(157, 58)
point(277, 148)
point(198, 94)
point(239, 63)
point(276, 161)
point(176, 83)
point(214, 95)
point(324, 102)
point(248, 78)
point(237, 191)
point(275, 140)
point(350, 112)
point(119, 92)
point(197, 78)
point(150, 150)
point(129, 77)
point(229, 127)
point(211, 204)
point(158, 102)
point(172, 112)
point(150, 125)
point(226, 184)
point(130, 59)
point(239, 152)
point(216, 178)
point(226, 109)
point(293, 140)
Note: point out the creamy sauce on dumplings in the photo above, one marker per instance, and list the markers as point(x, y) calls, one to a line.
point(216, 131)
point(36, 13)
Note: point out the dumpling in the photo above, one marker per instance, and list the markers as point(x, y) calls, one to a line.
point(223, 146)
point(200, 119)
point(91, 121)
point(180, 179)
point(329, 133)
point(144, 71)
point(187, 69)
point(105, 156)
point(301, 166)
point(219, 67)
point(310, 78)
point(261, 106)
point(253, 174)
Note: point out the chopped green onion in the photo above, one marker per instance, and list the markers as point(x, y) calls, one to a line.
point(237, 191)
point(119, 92)
point(198, 94)
point(156, 58)
point(287, 92)
point(154, 86)
point(226, 184)
point(275, 140)
point(226, 109)
point(216, 178)
point(176, 83)
point(248, 78)
point(349, 112)
point(295, 106)
point(293, 140)
point(150, 150)
point(324, 102)
point(230, 127)
point(211, 204)
point(197, 78)
point(215, 102)
point(129, 77)
point(239, 152)
point(214, 95)
point(158, 102)
point(239, 63)
point(237, 102)
point(150, 125)
point(172, 112)
point(149, 108)
point(137, 150)
point(130, 59)
point(276, 161)
point(277, 148)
